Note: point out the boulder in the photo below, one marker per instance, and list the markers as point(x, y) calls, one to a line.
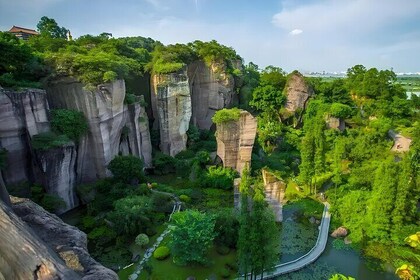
point(340, 232)
point(67, 243)
point(335, 123)
point(297, 93)
point(171, 104)
point(23, 255)
point(235, 140)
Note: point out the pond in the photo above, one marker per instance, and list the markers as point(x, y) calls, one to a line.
point(299, 236)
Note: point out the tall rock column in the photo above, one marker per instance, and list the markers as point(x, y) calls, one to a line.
point(235, 140)
point(212, 89)
point(274, 190)
point(171, 102)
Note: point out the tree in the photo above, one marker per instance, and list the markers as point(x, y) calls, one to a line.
point(142, 240)
point(192, 236)
point(128, 169)
point(49, 27)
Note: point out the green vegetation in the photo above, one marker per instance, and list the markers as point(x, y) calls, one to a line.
point(226, 115)
point(161, 253)
point(49, 140)
point(71, 123)
point(127, 169)
point(142, 240)
point(49, 27)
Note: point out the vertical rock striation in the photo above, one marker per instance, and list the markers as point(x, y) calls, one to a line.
point(59, 168)
point(274, 189)
point(22, 115)
point(171, 102)
point(235, 140)
point(212, 89)
point(107, 117)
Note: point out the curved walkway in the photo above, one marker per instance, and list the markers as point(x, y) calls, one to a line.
point(309, 257)
point(312, 255)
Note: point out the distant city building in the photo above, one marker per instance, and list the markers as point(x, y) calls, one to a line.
point(23, 33)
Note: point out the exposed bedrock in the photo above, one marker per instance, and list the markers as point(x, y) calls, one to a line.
point(235, 140)
point(113, 126)
point(274, 189)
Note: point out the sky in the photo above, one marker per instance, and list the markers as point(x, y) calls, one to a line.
point(307, 35)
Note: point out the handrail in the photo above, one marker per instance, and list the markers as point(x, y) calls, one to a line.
point(274, 273)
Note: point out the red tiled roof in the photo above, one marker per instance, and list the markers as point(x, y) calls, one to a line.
point(17, 29)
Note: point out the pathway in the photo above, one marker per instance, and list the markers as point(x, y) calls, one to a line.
point(149, 252)
point(309, 257)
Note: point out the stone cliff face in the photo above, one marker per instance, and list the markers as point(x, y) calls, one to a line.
point(335, 123)
point(171, 103)
point(274, 189)
point(59, 168)
point(22, 115)
point(212, 89)
point(108, 117)
point(23, 255)
point(235, 140)
point(297, 94)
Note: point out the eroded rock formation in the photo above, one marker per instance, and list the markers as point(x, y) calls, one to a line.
point(274, 189)
point(23, 255)
point(235, 140)
point(297, 94)
point(335, 123)
point(212, 89)
point(171, 103)
point(68, 242)
point(22, 115)
point(113, 126)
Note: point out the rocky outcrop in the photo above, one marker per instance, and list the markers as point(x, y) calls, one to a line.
point(335, 123)
point(23, 255)
point(274, 190)
point(66, 241)
point(59, 168)
point(340, 232)
point(401, 143)
point(297, 93)
point(212, 89)
point(22, 115)
point(235, 140)
point(113, 126)
point(171, 103)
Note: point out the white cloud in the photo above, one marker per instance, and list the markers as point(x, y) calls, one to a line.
point(295, 32)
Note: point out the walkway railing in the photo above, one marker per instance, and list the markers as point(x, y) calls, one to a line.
point(309, 257)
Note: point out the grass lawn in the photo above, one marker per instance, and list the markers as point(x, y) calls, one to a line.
point(167, 270)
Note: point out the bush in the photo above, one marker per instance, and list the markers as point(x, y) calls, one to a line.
point(222, 250)
point(220, 177)
point(71, 123)
point(185, 198)
point(339, 110)
point(151, 231)
point(163, 163)
point(127, 168)
point(161, 253)
point(226, 115)
point(225, 273)
point(49, 140)
point(142, 240)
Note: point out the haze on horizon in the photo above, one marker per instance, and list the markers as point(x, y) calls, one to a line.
point(308, 35)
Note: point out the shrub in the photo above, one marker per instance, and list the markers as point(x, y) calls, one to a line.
point(52, 203)
point(339, 110)
point(185, 198)
point(226, 115)
point(161, 253)
point(49, 140)
point(164, 163)
point(225, 273)
point(127, 168)
point(71, 123)
point(151, 231)
point(220, 177)
point(142, 240)
point(223, 250)
point(129, 98)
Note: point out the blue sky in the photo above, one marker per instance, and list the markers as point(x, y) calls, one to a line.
point(308, 35)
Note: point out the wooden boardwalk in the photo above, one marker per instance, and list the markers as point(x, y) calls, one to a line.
point(309, 257)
